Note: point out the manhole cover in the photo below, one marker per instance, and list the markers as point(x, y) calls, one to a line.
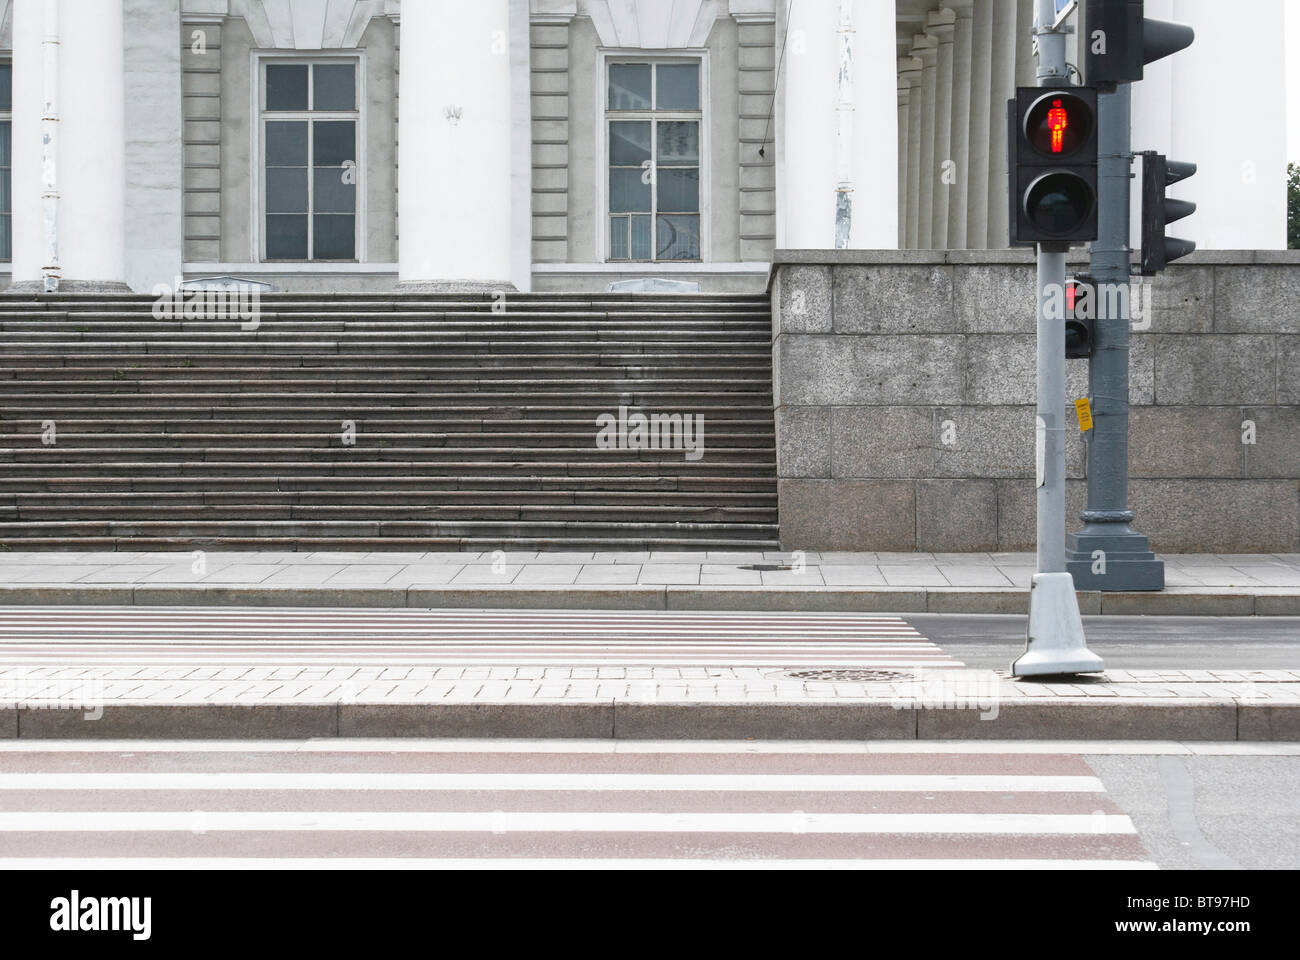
point(852, 676)
point(765, 566)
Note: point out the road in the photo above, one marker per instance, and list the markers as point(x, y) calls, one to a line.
point(1130, 643)
point(537, 803)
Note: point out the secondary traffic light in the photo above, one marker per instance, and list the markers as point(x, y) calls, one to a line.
point(1052, 154)
point(1080, 312)
point(1118, 41)
point(1158, 211)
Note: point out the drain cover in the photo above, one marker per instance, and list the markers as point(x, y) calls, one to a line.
point(852, 676)
point(766, 566)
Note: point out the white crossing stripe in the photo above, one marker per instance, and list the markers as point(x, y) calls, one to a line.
point(504, 821)
point(52, 636)
point(485, 863)
point(821, 782)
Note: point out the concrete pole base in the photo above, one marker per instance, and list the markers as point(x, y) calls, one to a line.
point(1055, 641)
point(1112, 557)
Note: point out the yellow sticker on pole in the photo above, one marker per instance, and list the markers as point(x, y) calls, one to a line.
point(1084, 409)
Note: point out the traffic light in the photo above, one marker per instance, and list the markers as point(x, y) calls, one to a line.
point(1118, 41)
point(1080, 312)
point(1052, 154)
point(1158, 211)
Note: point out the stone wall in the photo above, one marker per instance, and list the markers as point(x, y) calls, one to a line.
point(904, 388)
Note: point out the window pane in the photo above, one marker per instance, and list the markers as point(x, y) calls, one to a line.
point(5, 131)
point(334, 237)
point(679, 141)
point(6, 191)
point(629, 142)
point(641, 237)
point(626, 191)
point(286, 190)
point(679, 189)
point(286, 237)
point(6, 87)
point(286, 143)
point(679, 238)
point(678, 86)
point(286, 86)
point(333, 195)
point(618, 238)
point(334, 142)
point(6, 238)
point(334, 86)
point(629, 86)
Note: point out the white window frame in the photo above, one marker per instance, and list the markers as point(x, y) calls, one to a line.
point(7, 116)
point(606, 56)
point(257, 97)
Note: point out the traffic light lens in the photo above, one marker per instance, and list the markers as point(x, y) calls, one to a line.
point(1058, 203)
point(1058, 124)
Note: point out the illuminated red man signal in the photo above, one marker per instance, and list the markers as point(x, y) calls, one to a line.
point(1057, 121)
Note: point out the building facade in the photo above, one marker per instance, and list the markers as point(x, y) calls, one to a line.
point(563, 144)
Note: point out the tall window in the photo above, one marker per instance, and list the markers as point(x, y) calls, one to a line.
point(6, 162)
point(654, 117)
point(309, 158)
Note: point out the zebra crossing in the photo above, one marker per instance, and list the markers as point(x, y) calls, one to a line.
point(553, 804)
point(93, 636)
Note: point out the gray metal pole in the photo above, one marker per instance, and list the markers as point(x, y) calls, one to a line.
point(1108, 554)
point(1055, 642)
point(1051, 342)
point(1051, 418)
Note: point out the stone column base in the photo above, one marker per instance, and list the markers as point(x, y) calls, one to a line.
point(70, 286)
point(455, 286)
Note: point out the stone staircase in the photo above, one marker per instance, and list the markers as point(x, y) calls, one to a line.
point(474, 428)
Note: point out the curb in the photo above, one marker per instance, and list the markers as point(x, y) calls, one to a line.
point(1172, 601)
point(1057, 719)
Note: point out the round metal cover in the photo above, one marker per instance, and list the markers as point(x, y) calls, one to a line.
point(852, 676)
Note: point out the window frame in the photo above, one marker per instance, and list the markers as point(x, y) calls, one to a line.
point(7, 116)
point(257, 232)
point(604, 116)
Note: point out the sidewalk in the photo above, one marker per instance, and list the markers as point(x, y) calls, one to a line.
point(1196, 584)
point(223, 673)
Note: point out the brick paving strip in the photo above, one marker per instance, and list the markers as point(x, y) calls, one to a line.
point(119, 672)
point(1196, 584)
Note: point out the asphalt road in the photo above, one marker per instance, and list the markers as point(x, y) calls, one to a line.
point(1129, 643)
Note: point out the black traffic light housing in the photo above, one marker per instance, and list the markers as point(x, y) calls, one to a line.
point(1118, 41)
point(1080, 316)
point(1052, 166)
point(1158, 211)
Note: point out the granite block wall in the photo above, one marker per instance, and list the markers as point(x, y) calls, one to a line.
point(904, 391)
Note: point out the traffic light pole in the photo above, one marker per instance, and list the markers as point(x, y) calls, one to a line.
point(1055, 641)
point(1108, 554)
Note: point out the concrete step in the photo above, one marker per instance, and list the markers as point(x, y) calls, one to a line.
point(475, 417)
point(495, 487)
point(294, 439)
point(14, 532)
point(30, 429)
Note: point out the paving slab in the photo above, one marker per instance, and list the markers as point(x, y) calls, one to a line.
point(1198, 584)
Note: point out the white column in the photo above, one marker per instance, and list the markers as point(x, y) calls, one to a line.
point(927, 49)
point(939, 24)
point(1002, 79)
point(977, 170)
point(91, 145)
point(915, 120)
point(909, 71)
point(806, 125)
point(1204, 105)
point(960, 139)
point(875, 114)
point(454, 151)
